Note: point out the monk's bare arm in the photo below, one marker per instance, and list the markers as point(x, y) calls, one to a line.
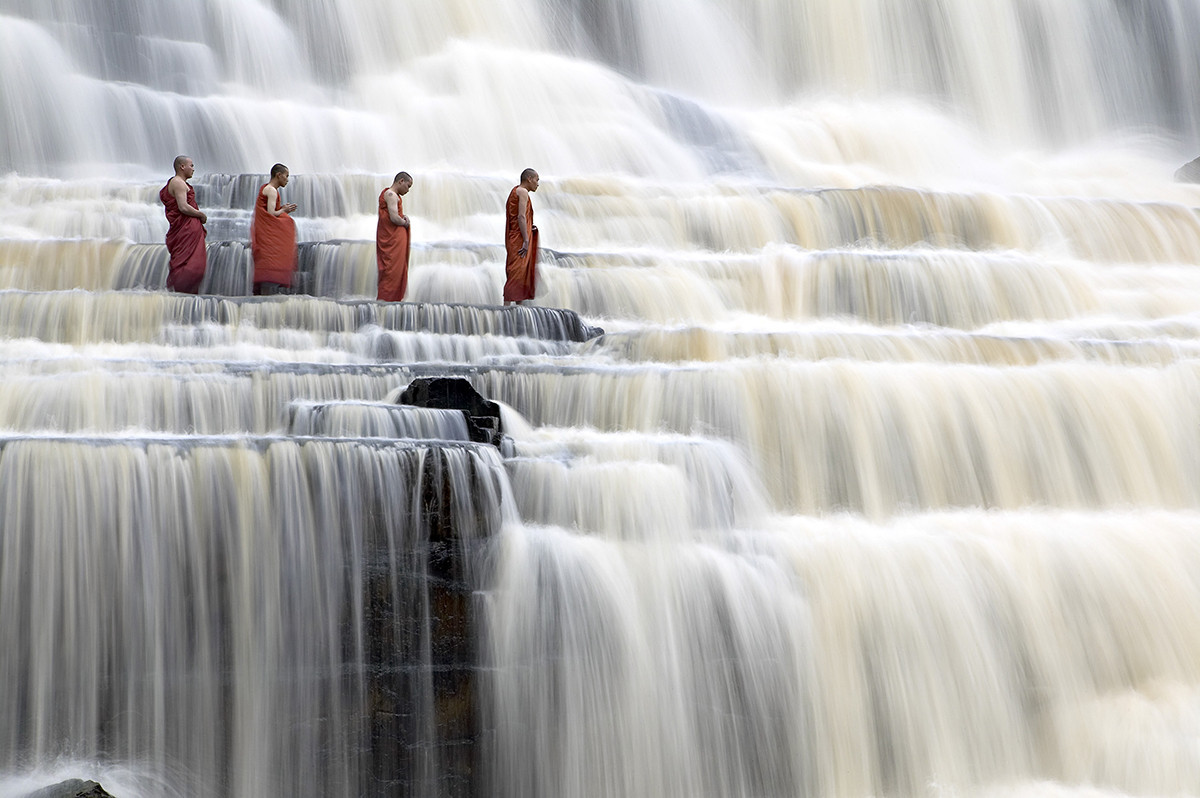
point(178, 189)
point(272, 194)
point(392, 199)
point(273, 207)
point(522, 214)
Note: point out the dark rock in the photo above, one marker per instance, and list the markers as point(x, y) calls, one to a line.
point(420, 669)
point(72, 788)
point(1189, 172)
point(455, 393)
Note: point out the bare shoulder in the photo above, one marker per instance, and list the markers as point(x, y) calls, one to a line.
point(269, 190)
point(522, 192)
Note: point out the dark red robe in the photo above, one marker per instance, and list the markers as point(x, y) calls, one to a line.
point(185, 243)
point(272, 242)
point(521, 270)
point(392, 247)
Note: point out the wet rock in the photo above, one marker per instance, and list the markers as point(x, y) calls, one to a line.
point(72, 788)
point(455, 393)
point(1189, 172)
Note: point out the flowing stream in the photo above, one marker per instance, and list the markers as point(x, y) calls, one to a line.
point(883, 479)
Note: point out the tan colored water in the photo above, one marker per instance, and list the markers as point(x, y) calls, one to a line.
point(884, 481)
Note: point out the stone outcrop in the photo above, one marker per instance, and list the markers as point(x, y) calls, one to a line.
point(1189, 172)
point(455, 393)
point(72, 788)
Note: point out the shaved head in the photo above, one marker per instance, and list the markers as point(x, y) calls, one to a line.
point(180, 160)
point(528, 174)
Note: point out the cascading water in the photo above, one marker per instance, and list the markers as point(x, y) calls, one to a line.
point(881, 482)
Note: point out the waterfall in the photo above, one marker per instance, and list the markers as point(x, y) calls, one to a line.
point(231, 606)
point(851, 446)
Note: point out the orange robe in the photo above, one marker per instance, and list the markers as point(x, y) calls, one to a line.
point(520, 269)
point(272, 242)
point(185, 244)
point(391, 253)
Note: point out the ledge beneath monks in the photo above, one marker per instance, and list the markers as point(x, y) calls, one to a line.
point(124, 315)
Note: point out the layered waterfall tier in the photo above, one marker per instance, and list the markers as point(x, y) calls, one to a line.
point(719, 485)
point(850, 447)
point(335, 85)
point(205, 623)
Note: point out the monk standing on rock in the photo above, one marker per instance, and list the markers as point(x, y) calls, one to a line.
point(520, 241)
point(273, 236)
point(392, 240)
point(185, 234)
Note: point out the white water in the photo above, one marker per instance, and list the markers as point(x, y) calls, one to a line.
point(882, 482)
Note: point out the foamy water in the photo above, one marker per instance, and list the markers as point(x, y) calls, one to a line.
point(882, 480)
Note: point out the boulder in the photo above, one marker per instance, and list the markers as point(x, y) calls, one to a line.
point(455, 393)
point(1189, 172)
point(72, 788)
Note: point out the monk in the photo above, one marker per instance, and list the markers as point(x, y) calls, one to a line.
point(520, 241)
point(273, 236)
point(392, 242)
point(185, 233)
